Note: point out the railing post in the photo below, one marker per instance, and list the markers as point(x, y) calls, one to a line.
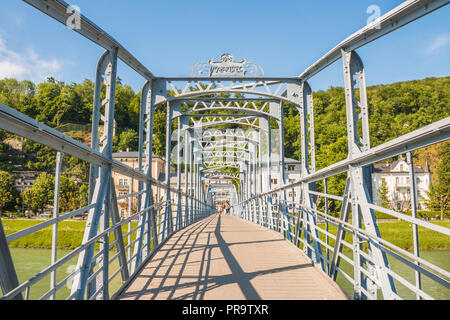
point(59, 159)
point(252, 164)
point(282, 208)
point(115, 218)
point(191, 175)
point(167, 226)
point(178, 150)
point(270, 222)
point(327, 240)
point(413, 193)
point(186, 175)
point(104, 248)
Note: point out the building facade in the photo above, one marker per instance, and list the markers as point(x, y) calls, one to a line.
point(124, 185)
point(292, 173)
point(397, 180)
point(24, 180)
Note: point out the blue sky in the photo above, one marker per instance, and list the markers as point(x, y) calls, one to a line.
point(170, 37)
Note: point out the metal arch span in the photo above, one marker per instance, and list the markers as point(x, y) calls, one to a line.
point(268, 87)
point(249, 107)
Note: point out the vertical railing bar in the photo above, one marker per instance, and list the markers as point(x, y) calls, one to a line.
point(325, 186)
point(413, 197)
point(130, 201)
point(59, 158)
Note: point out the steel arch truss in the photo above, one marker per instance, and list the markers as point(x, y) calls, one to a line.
point(206, 121)
point(251, 106)
point(182, 88)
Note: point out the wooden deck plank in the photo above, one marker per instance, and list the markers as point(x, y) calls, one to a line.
point(223, 257)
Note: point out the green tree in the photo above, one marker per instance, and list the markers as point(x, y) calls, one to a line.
point(84, 195)
point(42, 157)
point(40, 194)
point(4, 158)
point(383, 194)
point(128, 139)
point(159, 131)
point(69, 194)
point(27, 199)
point(7, 190)
point(50, 105)
point(124, 106)
point(439, 193)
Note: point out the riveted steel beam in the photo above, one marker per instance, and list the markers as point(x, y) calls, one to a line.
point(60, 11)
point(401, 15)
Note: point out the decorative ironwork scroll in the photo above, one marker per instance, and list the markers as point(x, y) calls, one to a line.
point(227, 67)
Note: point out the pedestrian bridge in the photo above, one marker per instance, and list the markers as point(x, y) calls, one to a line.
point(229, 128)
point(226, 258)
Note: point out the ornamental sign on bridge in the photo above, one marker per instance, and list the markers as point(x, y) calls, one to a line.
point(227, 67)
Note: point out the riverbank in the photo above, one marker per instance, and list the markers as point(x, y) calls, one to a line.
point(400, 234)
point(70, 234)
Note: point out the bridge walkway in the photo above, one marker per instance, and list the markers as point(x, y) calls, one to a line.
point(223, 257)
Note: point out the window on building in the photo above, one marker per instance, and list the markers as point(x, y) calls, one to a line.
point(291, 180)
point(274, 181)
point(397, 180)
point(120, 182)
point(291, 167)
point(401, 167)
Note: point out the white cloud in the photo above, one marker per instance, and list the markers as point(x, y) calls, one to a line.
point(439, 42)
point(18, 20)
point(27, 65)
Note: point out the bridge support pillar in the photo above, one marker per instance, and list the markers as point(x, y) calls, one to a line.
point(186, 173)
point(99, 177)
point(8, 275)
point(357, 111)
point(307, 221)
point(168, 222)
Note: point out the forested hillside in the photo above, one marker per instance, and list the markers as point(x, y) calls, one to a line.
point(394, 109)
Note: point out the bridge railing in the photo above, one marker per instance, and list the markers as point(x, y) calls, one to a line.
point(111, 249)
point(95, 273)
point(311, 227)
point(345, 246)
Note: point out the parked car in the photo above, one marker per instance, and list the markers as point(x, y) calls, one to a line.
point(45, 214)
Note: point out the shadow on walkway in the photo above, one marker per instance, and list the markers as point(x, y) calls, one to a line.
point(175, 273)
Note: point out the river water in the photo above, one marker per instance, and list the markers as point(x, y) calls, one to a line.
point(440, 258)
point(28, 262)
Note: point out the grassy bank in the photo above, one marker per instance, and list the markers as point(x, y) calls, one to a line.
point(70, 234)
point(400, 234)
